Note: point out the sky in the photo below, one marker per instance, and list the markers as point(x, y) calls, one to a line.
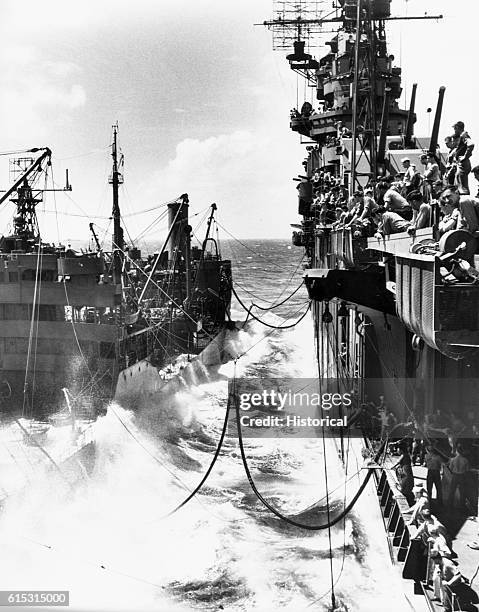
point(201, 99)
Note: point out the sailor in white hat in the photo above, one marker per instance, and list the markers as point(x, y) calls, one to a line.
point(408, 174)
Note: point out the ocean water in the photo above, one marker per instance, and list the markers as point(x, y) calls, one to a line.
point(107, 540)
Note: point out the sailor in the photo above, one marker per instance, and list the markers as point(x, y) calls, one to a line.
point(432, 175)
point(451, 167)
point(391, 223)
point(459, 467)
point(451, 215)
point(450, 578)
point(421, 212)
point(408, 176)
point(467, 215)
point(392, 199)
point(463, 150)
point(405, 474)
point(434, 463)
point(421, 503)
point(430, 523)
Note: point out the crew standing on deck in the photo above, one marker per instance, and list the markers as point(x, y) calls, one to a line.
point(463, 146)
point(434, 464)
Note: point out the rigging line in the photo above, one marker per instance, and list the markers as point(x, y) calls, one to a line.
point(73, 201)
point(95, 564)
point(149, 227)
point(293, 273)
point(173, 475)
point(272, 509)
point(210, 467)
point(92, 376)
point(406, 405)
point(124, 225)
point(55, 206)
point(273, 302)
point(259, 297)
point(92, 152)
point(268, 334)
point(325, 459)
point(249, 248)
point(282, 302)
point(36, 331)
point(164, 292)
point(148, 452)
point(68, 214)
point(4, 153)
point(202, 220)
point(145, 210)
point(43, 450)
point(346, 480)
point(32, 323)
point(268, 324)
point(15, 460)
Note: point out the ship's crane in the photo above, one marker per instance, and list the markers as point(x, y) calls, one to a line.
point(28, 169)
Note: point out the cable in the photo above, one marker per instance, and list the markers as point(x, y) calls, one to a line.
point(271, 508)
point(203, 480)
point(249, 248)
point(248, 310)
point(279, 303)
point(210, 467)
point(93, 563)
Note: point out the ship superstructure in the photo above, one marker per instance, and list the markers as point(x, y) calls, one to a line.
point(73, 323)
point(398, 315)
point(395, 310)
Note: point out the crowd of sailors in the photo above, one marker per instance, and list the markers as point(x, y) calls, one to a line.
point(437, 194)
point(432, 536)
point(446, 448)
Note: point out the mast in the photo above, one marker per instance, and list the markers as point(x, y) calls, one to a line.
point(210, 221)
point(116, 179)
point(358, 61)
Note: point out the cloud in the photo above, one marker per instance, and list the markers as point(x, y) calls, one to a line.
point(247, 174)
point(33, 90)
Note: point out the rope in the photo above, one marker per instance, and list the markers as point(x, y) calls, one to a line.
point(44, 451)
point(210, 467)
point(272, 509)
point(172, 474)
point(164, 292)
point(36, 333)
point(249, 248)
point(279, 303)
point(32, 323)
point(95, 564)
point(248, 310)
point(331, 571)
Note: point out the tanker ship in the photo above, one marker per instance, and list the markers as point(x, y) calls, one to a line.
point(79, 329)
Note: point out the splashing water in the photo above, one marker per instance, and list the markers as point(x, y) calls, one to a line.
point(107, 542)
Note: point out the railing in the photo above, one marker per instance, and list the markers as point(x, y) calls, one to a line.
point(393, 505)
point(339, 249)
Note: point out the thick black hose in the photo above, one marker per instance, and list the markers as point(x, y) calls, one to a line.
point(276, 512)
point(208, 471)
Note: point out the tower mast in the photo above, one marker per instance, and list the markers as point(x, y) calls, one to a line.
point(116, 179)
